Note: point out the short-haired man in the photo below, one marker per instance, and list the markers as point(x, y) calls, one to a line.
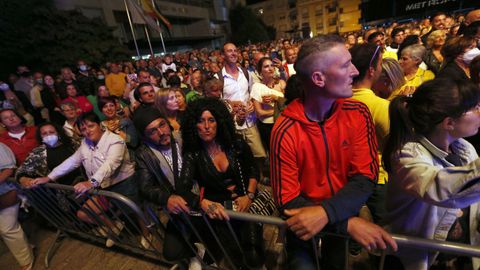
point(290, 58)
point(367, 58)
point(159, 163)
point(438, 23)
point(236, 91)
point(398, 36)
point(378, 38)
point(324, 159)
point(144, 96)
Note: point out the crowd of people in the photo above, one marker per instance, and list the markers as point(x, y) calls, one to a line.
point(331, 123)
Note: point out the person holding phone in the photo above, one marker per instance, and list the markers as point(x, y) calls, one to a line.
point(265, 95)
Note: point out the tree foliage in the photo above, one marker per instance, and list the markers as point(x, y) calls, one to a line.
point(246, 26)
point(38, 35)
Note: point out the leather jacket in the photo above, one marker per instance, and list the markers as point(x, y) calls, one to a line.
point(198, 166)
point(153, 177)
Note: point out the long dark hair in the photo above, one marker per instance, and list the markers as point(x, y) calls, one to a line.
point(62, 137)
point(419, 114)
point(225, 127)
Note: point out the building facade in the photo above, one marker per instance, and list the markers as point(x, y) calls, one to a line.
point(195, 23)
point(304, 18)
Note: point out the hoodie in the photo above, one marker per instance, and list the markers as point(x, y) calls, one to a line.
point(333, 163)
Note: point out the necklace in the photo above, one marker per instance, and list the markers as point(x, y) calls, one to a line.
point(213, 153)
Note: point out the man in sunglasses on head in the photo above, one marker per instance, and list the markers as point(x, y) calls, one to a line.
point(159, 163)
point(367, 58)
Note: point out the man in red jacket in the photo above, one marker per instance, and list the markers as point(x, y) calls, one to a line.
point(323, 159)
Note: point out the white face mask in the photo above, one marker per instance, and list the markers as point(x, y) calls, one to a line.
point(470, 54)
point(82, 67)
point(50, 140)
point(4, 87)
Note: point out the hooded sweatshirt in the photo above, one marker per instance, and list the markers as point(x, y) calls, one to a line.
point(333, 163)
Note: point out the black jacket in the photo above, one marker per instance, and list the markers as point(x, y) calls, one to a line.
point(452, 71)
point(152, 178)
point(198, 166)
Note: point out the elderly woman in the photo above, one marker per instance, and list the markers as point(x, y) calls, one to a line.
point(69, 111)
point(54, 147)
point(410, 61)
point(434, 59)
point(107, 164)
point(433, 190)
point(224, 168)
point(458, 53)
point(166, 102)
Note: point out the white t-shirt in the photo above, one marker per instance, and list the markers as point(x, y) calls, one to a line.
point(259, 90)
point(171, 66)
point(237, 90)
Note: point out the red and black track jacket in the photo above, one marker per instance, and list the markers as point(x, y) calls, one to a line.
point(333, 163)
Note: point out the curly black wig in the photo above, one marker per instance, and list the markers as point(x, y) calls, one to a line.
point(225, 127)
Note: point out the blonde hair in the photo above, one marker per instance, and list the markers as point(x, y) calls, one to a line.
point(434, 35)
point(392, 69)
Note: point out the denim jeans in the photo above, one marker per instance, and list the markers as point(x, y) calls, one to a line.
point(301, 254)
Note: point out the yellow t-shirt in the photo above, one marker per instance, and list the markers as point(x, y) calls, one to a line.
point(379, 110)
point(420, 77)
point(116, 83)
point(389, 54)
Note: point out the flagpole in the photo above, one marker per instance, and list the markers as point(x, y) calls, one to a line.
point(131, 28)
point(148, 39)
point(160, 32)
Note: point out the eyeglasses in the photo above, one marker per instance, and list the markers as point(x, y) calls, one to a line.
point(373, 56)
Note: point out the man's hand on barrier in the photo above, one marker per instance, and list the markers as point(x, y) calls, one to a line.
point(306, 222)
point(243, 203)
point(214, 210)
point(176, 204)
point(83, 187)
point(370, 236)
point(39, 181)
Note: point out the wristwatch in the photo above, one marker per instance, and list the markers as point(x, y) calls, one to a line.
point(94, 183)
point(251, 195)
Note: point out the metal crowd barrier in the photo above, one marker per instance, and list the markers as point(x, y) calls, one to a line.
point(121, 222)
point(59, 205)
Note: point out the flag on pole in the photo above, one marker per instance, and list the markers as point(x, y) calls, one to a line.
point(151, 11)
point(140, 17)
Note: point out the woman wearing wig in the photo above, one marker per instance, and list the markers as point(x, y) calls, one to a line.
point(224, 168)
point(433, 190)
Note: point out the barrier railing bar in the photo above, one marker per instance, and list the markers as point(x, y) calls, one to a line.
point(186, 218)
point(413, 242)
point(227, 257)
point(114, 195)
point(436, 245)
point(402, 240)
